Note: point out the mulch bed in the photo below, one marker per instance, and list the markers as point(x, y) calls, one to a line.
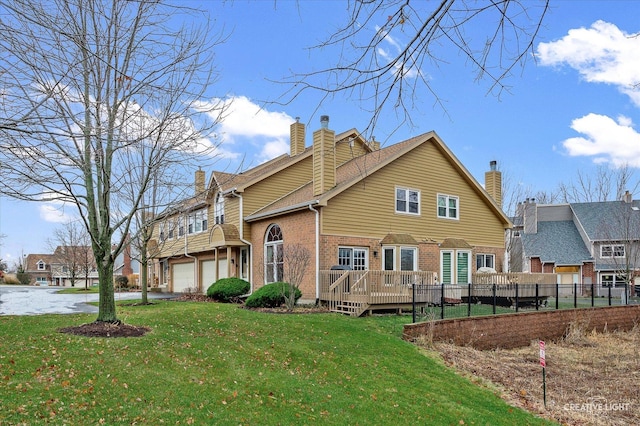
point(106, 329)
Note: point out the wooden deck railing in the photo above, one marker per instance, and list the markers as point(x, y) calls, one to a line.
point(354, 292)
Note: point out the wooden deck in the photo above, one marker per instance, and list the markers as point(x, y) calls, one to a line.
point(358, 292)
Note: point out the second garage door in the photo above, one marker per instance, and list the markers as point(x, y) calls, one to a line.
point(183, 277)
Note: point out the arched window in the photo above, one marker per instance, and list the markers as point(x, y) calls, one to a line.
point(273, 255)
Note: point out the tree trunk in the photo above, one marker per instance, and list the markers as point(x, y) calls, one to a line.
point(107, 304)
point(144, 264)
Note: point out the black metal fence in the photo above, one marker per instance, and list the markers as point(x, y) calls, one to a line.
point(450, 301)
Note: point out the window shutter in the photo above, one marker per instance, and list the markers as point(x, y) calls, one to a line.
point(446, 268)
point(463, 268)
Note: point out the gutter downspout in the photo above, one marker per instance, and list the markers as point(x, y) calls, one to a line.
point(317, 268)
point(186, 247)
point(241, 226)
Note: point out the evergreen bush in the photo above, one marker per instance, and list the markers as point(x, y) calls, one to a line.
point(228, 289)
point(270, 296)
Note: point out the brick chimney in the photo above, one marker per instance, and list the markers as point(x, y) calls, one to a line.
point(297, 137)
point(493, 182)
point(324, 158)
point(200, 186)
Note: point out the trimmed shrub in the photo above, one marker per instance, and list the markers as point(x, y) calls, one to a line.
point(24, 278)
point(228, 289)
point(122, 281)
point(270, 296)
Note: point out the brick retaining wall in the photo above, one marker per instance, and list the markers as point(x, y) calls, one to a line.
point(516, 330)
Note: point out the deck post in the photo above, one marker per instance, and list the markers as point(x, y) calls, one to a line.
point(495, 300)
point(442, 303)
point(413, 301)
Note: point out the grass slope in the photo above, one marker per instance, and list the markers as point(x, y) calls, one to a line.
point(208, 363)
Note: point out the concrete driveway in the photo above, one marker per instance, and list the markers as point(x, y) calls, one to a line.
point(30, 300)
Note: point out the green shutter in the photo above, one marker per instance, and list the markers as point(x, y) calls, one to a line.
point(463, 268)
point(446, 268)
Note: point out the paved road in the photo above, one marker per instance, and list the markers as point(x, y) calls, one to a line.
point(30, 300)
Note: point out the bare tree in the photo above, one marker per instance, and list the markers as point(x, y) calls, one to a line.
point(606, 184)
point(296, 262)
point(387, 49)
point(93, 91)
point(71, 247)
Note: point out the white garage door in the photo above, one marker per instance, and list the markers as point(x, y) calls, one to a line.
point(183, 277)
point(208, 274)
point(222, 268)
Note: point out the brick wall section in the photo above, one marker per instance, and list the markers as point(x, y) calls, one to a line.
point(297, 228)
point(516, 330)
point(588, 272)
point(535, 265)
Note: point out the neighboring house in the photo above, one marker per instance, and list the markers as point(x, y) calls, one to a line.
point(72, 266)
point(411, 206)
point(584, 243)
point(40, 268)
point(126, 265)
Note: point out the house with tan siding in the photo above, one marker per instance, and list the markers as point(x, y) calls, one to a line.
point(410, 206)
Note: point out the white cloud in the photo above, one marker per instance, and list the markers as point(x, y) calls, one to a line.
point(246, 118)
point(248, 127)
point(601, 54)
point(605, 139)
point(55, 211)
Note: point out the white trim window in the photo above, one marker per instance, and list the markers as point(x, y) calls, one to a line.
point(408, 259)
point(448, 207)
point(609, 251)
point(356, 258)
point(198, 221)
point(219, 209)
point(455, 266)
point(171, 225)
point(161, 228)
point(389, 258)
point(41, 266)
point(180, 226)
point(407, 201)
point(612, 280)
point(485, 261)
point(273, 255)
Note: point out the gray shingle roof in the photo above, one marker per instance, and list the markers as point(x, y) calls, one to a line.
point(557, 242)
point(609, 220)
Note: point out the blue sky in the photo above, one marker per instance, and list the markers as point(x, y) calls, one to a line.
point(570, 110)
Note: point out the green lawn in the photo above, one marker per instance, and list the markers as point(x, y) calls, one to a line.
point(209, 363)
point(79, 290)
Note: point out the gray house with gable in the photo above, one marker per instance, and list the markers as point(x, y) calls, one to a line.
point(583, 243)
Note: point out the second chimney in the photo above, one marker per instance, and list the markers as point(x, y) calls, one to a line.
point(493, 183)
point(199, 181)
point(324, 158)
point(297, 135)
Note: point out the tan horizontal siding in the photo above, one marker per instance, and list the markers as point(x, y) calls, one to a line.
point(368, 208)
point(266, 191)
